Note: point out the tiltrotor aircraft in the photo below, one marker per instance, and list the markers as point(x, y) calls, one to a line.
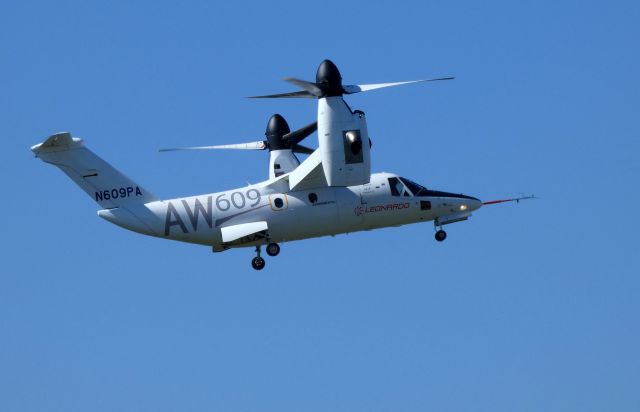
point(331, 192)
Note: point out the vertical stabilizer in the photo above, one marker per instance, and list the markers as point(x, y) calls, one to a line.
point(101, 181)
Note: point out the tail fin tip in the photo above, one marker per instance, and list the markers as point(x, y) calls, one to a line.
point(56, 142)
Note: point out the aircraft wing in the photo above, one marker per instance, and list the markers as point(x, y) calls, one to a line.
point(244, 233)
point(309, 175)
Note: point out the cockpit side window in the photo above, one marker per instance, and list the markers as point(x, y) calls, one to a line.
point(393, 185)
point(397, 187)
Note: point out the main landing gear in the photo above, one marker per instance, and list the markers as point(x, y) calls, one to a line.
point(273, 249)
point(258, 263)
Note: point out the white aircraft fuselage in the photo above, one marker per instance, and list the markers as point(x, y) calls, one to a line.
point(289, 216)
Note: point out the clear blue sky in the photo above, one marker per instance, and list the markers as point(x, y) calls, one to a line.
point(529, 307)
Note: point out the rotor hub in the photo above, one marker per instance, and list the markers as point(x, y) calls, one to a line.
point(276, 129)
point(328, 78)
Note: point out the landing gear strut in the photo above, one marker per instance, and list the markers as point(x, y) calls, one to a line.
point(258, 262)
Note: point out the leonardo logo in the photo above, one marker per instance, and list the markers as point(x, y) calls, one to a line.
point(359, 210)
point(389, 207)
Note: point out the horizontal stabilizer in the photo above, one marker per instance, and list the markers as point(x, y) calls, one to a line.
point(56, 143)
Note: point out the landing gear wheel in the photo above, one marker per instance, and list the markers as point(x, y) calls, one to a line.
point(257, 263)
point(441, 235)
point(273, 249)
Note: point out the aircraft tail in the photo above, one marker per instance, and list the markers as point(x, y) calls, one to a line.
point(101, 181)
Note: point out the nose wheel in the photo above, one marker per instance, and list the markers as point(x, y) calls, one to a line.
point(441, 235)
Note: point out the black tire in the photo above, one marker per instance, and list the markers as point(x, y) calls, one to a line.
point(441, 235)
point(273, 249)
point(257, 263)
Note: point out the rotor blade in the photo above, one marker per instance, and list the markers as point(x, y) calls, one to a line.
point(297, 136)
point(298, 148)
point(303, 84)
point(260, 145)
point(301, 94)
point(357, 88)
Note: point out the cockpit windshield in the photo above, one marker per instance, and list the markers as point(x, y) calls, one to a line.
point(397, 187)
point(401, 186)
point(404, 187)
point(415, 188)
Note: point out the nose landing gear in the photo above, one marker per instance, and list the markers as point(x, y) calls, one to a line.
point(258, 263)
point(440, 234)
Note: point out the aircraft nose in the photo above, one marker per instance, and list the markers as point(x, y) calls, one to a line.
point(463, 203)
point(475, 203)
point(469, 204)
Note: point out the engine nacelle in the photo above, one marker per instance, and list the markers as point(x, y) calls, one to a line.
point(344, 143)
